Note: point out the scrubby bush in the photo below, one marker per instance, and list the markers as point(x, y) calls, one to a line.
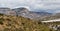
point(13, 23)
point(1, 14)
point(1, 21)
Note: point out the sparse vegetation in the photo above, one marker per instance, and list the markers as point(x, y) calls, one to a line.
point(14, 23)
point(1, 21)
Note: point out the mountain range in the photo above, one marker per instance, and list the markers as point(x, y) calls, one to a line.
point(24, 12)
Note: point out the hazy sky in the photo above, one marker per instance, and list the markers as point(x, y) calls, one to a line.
point(47, 5)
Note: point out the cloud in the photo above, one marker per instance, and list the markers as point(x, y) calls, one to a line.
point(33, 4)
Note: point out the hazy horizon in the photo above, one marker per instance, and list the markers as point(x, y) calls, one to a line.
point(34, 5)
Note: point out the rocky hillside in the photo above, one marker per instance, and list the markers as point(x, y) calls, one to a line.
point(24, 12)
point(30, 14)
point(14, 23)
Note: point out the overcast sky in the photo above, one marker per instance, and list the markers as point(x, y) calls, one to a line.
point(47, 5)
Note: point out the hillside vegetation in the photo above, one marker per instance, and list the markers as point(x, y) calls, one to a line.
point(14, 23)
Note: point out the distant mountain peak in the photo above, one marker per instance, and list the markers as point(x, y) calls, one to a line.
point(4, 8)
point(22, 11)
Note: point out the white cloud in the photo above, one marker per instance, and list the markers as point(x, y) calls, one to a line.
point(35, 4)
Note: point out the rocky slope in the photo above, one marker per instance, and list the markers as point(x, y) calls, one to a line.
point(14, 23)
point(24, 12)
point(30, 14)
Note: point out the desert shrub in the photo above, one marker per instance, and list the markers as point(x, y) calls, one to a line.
point(19, 29)
point(1, 14)
point(39, 22)
point(8, 19)
point(23, 23)
point(6, 29)
point(8, 24)
point(1, 21)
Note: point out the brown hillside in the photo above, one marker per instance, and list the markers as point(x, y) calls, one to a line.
point(14, 23)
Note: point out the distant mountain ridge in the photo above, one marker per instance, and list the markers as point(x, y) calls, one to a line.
point(30, 14)
point(24, 12)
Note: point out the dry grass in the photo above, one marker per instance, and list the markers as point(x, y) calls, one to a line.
point(13, 23)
